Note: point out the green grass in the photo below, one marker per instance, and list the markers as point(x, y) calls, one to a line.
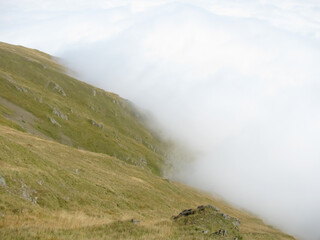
point(36, 83)
point(84, 181)
point(47, 198)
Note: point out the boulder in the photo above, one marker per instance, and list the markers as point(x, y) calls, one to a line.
point(186, 212)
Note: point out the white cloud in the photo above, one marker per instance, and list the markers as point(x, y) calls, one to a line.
point(237, 81)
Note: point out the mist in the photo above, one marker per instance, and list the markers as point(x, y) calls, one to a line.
point(235, 83)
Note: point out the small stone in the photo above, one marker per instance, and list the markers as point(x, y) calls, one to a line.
point(76, 171)
point(2, 181)
point(236, 222)
point(205, 231)
point(137, 222)
point(224, 232)
point(215, 208)
point(96, 124)
point(54, 122)
point(201, 207)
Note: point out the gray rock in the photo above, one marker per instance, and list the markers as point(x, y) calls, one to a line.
point(2, 181)
point(28, 194)
point(201, 208)
point(9, 78)
point(215, 208)
point(76, 171)
point(205, 231)
point(137, 222)
point(57, 112)
point(142, 160)
point(59, 89)
point(225, 216)
point(21, 89)
point(224, 232)
point(96, 124)
point(54, 122)
point(185, 212)
point(236, 222)
point(43, 65)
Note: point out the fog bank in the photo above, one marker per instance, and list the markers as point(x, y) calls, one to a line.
point(237, 83)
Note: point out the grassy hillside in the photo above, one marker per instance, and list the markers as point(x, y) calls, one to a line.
point(77, 162)
point(38, 97)
point(53, 191)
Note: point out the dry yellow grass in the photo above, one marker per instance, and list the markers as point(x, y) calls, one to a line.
point(102, 197)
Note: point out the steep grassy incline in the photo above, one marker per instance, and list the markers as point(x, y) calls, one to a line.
point(38, 97)
point(77, 162)
point(52, 191)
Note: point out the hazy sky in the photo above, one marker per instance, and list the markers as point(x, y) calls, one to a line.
point(237, 82)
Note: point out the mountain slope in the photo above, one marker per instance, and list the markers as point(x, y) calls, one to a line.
point(53, 191)
point(86, 173)
point(37, 96)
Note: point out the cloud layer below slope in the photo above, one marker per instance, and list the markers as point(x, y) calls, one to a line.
point(237, 83)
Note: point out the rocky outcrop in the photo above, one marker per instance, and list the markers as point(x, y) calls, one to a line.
point(54, 122)
point(57, 112)
point(29, 194)
point(185, 212)
point(59, 89)
point(191, 211)
point(208, 220)
point(94, 123)
point(21, 89)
